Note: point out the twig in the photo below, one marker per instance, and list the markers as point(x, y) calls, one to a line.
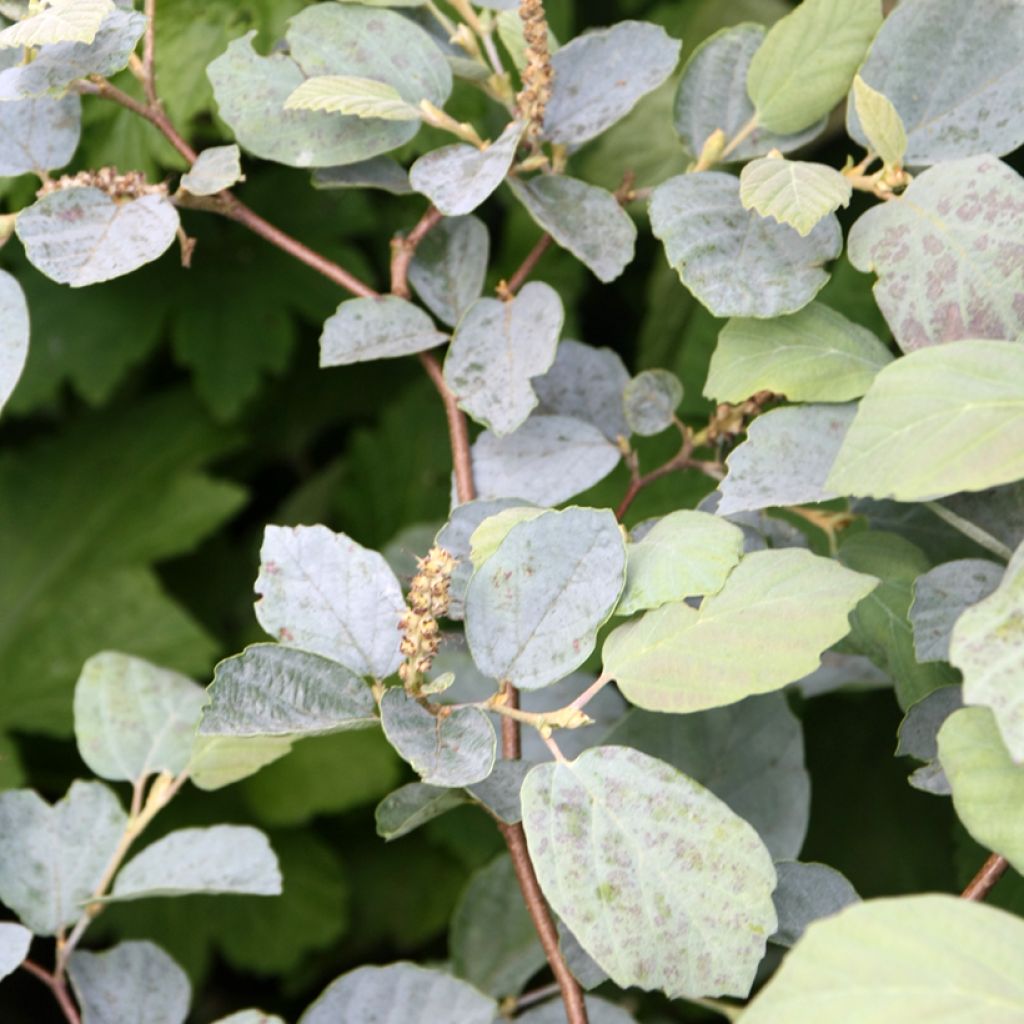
point(538, 995)
point(458, 430)
point(526, 268)
point(744, 133)
point(58, 986)
point(679, 461)
point(988, 874)
point(149, 54)
point(980, 537)
point(403, 249)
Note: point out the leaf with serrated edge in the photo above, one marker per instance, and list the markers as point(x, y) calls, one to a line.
point(61, 21)
point(323, 592)
point(815, 355)
point(52, 858)
point(948, 254)
point(458, 178)
point(987, 645)
point(909, 958)
point(13, 334)
point(713, 94)
point(941, 596)
point(450, 265)
point(133, 982)
point(685, 554)
point(14, 942)
point(793, 192)
point(637, 57)
point(497, 347)
point(808, 59)
point(274, 690)
point(881, 123)
point(80, 236)
point(786, 458)
point(451, 748)
point(969, 54)
point(218, 859)
point(350, 94)
point(534, 607)
point(585, 219)
point(767, 627)
point(548, 460)
point(644, 865)
point(380, 328)
point(988, 787)
point(215, 169)
point(403, 992)
point(736, 262)
point(133, 718)
point(918, 431)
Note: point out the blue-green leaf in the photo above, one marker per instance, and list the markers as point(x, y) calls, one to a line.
point(380, 328)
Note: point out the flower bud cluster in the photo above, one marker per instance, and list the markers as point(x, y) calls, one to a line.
point(428, 601)
point(729, 420)
point(130, 185)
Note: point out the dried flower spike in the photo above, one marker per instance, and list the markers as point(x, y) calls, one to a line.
point(428, 601)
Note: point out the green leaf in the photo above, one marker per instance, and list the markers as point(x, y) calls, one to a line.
point(880, 123)
point(778, 611)
point(548, 460)
point(81, 516)
point(458, 178)
point(650, 400)
point(807, 893)
point(941, 595)
point(898, 963)
point(453, 748)
point(815, 355)
point(734, 261)
point(786, 458)
point(969, 57)
point(61, 21)
point(793, 192)
point(918, 737)
point(450, 265)
point(807, 61)
point(498, 961)
point(13, 334)
point(56, 65)
point(81, 236)
point(988, 787)
point(947, 254)
point(324, 775)
point(323, 592)
point(634, 55)
point(513, 37)
point(630, 854)
point(750, 755)
point(218, 761)
point(14, 943)
point(916, 433)
point(487, 537)
point(215, 169)
point(327, 39)
point(133, 718)
point(39, 135)
point(881, 627)
point(381, 328)
point(586, 220)
point(216, 860)
point(987, 645)
point(412, 805)
point(274, 690)
point(134, 981)
point(713, 94)
point(52, 858)
point(586, 383)
point(685, 554)
point(497, 347)
point(411, 994)
point(350, 94)
point(534, 607)
point(378, 172)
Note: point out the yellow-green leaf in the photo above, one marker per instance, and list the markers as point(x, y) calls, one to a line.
point(793, 192)
point(880, 122)
point(350, 94)
point(61, 21)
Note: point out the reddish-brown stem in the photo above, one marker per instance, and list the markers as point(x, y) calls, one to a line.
point(526, 268)
point(403, 248)
point(458, 431)
point(59, 989)
point(680, 461)
point(989, 873)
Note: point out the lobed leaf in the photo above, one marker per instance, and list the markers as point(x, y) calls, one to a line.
point(631, 854)
point(793, 192)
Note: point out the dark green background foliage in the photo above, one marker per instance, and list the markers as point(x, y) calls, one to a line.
point(165, 417)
